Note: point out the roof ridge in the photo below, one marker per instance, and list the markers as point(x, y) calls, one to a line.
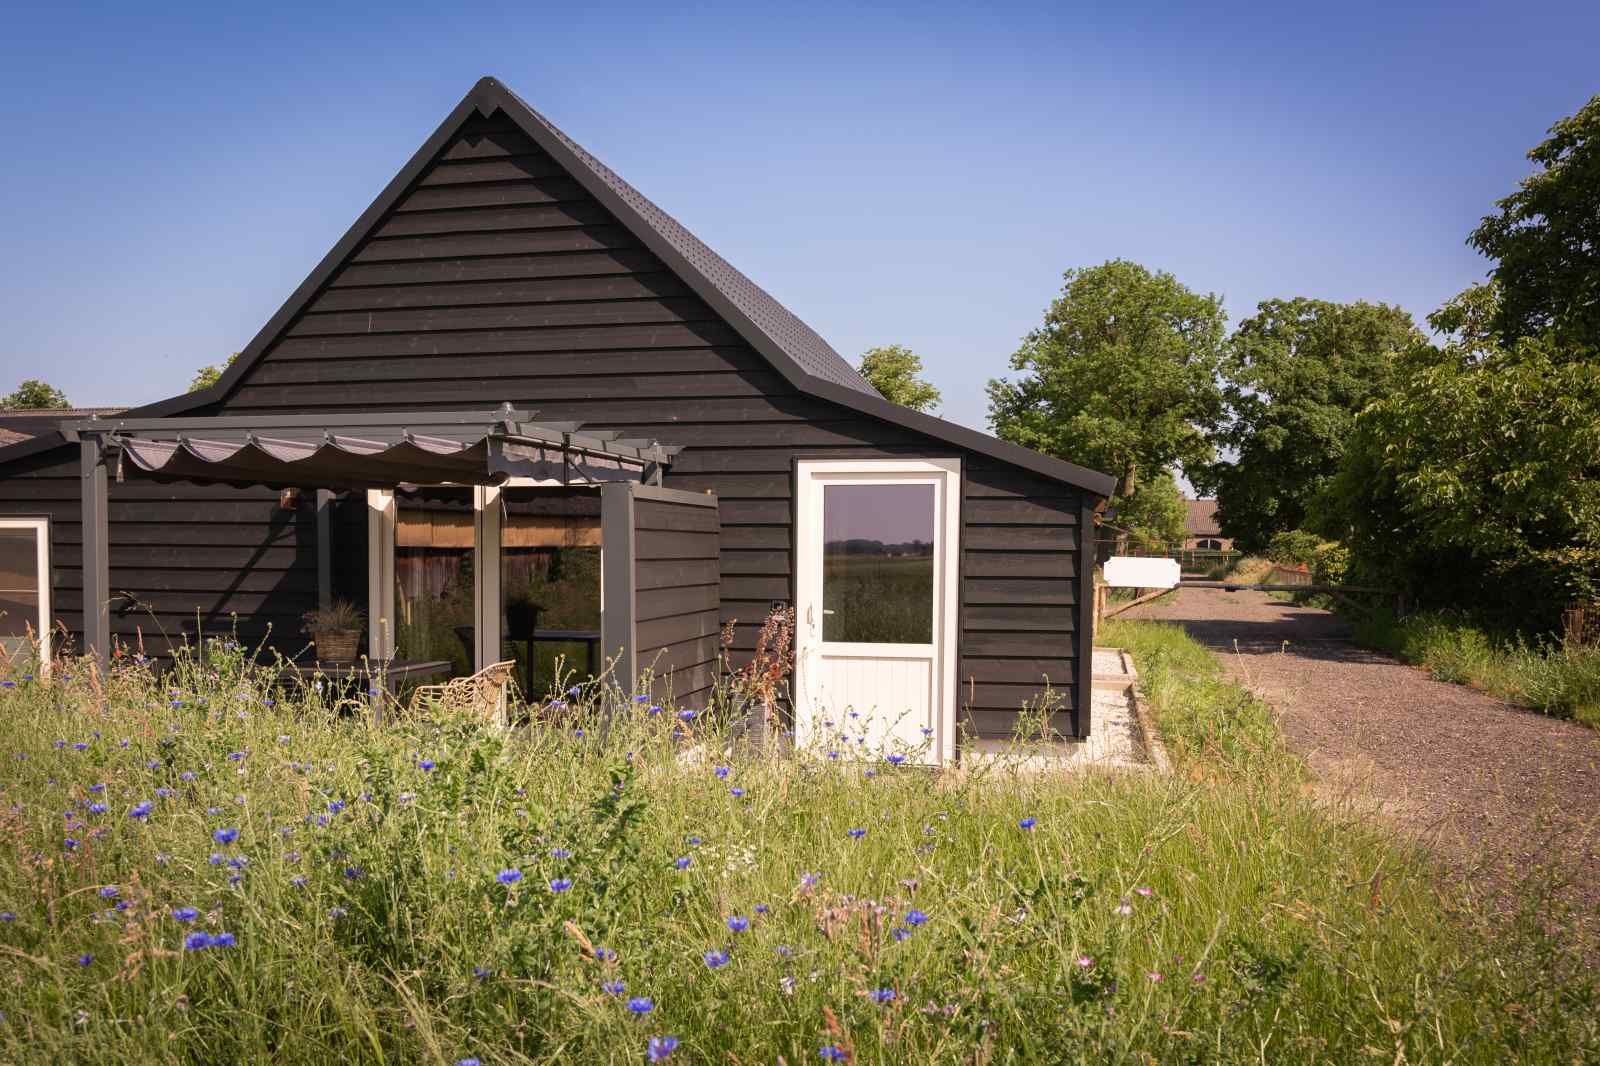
point(782, 326)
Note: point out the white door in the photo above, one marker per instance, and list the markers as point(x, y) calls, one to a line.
point(875, 579)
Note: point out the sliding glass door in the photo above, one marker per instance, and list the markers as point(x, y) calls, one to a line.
point(24, 592)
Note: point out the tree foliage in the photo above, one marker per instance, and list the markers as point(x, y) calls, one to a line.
point(34, 395)
point(1297, 373)
point(208, 376)
point(1486, 454)
point(1546, 239)
point(1155, 515)
point(1122, 375)
point(896, 372)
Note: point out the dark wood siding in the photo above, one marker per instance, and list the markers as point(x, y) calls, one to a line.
point(495, 278)
point(183, 557)
point(677, 600)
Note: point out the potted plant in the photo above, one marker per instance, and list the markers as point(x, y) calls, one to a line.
point(336, 630)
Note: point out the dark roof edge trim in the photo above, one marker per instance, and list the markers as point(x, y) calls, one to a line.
point(485, 97)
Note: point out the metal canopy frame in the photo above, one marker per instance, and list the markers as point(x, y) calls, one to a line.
point(373, 450)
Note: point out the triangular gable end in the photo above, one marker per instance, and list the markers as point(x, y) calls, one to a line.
point(529, 189)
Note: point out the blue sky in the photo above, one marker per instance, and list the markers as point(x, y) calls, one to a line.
point(919, 174)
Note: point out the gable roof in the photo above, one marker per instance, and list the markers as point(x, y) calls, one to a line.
point(799, 355)
point(1200, 518)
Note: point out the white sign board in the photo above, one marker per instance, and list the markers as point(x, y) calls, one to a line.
point(1129, 572)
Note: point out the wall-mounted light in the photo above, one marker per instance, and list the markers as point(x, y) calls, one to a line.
point(289, 499)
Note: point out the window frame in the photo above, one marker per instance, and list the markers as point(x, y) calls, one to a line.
point(40, 524)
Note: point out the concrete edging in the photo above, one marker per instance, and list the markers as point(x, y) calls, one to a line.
point(1154, 746)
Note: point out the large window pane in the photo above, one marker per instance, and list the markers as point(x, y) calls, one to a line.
point(550, 585)
point(19, 587)
point(433, 595)
point(877, 566)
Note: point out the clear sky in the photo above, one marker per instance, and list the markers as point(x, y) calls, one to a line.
point(918, 174)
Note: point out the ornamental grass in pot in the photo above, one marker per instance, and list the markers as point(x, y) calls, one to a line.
point(335, 630)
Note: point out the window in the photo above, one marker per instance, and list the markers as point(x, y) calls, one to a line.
point(1209, 545)
point(24, 589)
point(877, 563)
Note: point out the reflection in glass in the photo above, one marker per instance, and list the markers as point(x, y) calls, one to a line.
point(877, 563)
point(433, 593)
point(550, 585)
point(19, 588)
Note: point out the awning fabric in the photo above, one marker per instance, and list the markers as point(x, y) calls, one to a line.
point(419, 448)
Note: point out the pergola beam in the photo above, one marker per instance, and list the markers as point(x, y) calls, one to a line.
point(96, 549)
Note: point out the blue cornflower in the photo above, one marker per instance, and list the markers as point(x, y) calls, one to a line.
point(481, 974)
point(560, 853)
point(468, 1062)
point(738, 923)
point(298, 882)
point(575, 690)
point(238, 862)
point(560, 884)
point(196, 941)
point(833, 755)
point(97, 788)
point(736, 792)
point(809, 880)
point(716, 959)
point(141, 809)
point(85, 959)
point(213, 810)
point(425, 765)
point(186, 914)
point(614, 988)
point(761, 908)
point(900, 933)
point(682, 862)
point(857, 834)
point(895, 760)
point(109, 892)
point(655, 708)
point(216, 858)
point(165, 793)
point(236, 756)
point(694, 842)
point(97, 808)
point(884, 995)
point(915, 917)
point(69, 843)
point(660, 1047)
point(722, 772)
point(8, 916)
point(641, 1004)
point(225, 836)
point(336, 806)
point(222, 940)
point(80, 746)
point(508, 877)
point(687, 716)
point(605, 954)
point(832, 1053)
point(642, 698)
point(354, 873)
point(1028, 823)
point(337, 912)
point(187, 775)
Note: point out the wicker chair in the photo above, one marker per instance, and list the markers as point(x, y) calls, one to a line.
point(484, 692)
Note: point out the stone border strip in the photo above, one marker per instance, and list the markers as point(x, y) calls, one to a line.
point(1128, 679)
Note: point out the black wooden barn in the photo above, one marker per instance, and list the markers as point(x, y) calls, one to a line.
point(513, 352)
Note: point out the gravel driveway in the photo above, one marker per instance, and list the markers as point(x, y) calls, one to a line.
point(1497, 788)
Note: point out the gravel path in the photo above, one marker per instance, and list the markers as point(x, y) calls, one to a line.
point(1497, 788)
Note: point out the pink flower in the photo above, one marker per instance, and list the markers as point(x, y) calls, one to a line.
point(1145, 891)
point(1085, 961)
point(1153, 976)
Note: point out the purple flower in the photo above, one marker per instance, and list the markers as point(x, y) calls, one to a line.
point(895, 760)
point(605, 954)
point(832, 1053)
point(915, 917)
point(69, 843)
point(97, 808)
point(900, 933)
point(883, 995)
point(857, 834)
point(660, 1047)
point(109, 892)
point(425, 765)
point(614, 988)
point(736, 791)
point(716, 959)
point(722, 772)
point(682, 862)
point(560, 884)
point(225, 836)
point(809, 880)
point(85, 959)
point(1028, 823)
point(687, 716)
point(738, 923)
point(468, 1062)
point(185, 914)
point(641, 1005)
point(97, 788)
point(236, 756)
point(762, 908)
point(560, 853)
point(508, 877)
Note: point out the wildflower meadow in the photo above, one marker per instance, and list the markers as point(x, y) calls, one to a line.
point(197, 867)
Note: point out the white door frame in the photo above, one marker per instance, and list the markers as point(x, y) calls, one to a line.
point(41, 527)
point(381, 522)
point(945, 476)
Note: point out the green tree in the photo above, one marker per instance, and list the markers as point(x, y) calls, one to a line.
point(895, 371)
point(1297, 373)
point(1483, 454)
point(34, 395)
point(1546, 239)
point(1122, 375)
point(208, 376)
point(1155, 515)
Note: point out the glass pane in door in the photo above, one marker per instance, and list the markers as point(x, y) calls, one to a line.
point(877, 563)
point(19, 587)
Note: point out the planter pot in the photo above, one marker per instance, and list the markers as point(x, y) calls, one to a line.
point(336, 645)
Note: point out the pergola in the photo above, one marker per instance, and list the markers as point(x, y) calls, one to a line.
point(332, 452)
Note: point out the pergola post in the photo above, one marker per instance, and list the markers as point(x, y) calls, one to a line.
point(96, 549)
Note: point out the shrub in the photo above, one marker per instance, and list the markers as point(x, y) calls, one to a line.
point(1293, 547)
point(1331, 565)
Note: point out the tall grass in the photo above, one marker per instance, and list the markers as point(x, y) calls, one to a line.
point(1561, 680)
point(435, 891)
